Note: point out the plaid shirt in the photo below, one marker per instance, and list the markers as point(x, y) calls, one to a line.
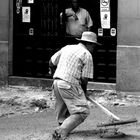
point(73, 62)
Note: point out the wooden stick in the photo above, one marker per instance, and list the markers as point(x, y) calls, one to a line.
point(105, 110)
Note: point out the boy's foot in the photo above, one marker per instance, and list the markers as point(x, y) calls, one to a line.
point(57, 135)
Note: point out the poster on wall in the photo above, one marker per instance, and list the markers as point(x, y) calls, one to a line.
point(18, 6)
point(26, 14)
point(105, 14)
point(113, 32)
point(30, 1)
point(100, 31)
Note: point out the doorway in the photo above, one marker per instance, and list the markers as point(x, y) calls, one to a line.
point(37, 36)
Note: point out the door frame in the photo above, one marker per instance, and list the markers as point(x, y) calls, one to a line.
point(10, 39)
point(10, 49)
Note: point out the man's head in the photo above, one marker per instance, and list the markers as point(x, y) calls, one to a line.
point(89, 39)
point(75, 5)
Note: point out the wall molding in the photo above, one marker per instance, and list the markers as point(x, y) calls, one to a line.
point(4, 42)
point(127, 46)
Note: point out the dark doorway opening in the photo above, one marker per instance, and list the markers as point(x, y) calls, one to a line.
point(37, 36)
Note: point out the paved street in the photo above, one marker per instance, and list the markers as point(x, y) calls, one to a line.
point(34, 123)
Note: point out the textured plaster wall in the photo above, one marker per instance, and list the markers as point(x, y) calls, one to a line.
point(129, 22)
point(4, 19)
point(128, 50)
point(4, 29)
point(128, 68)
point(3, 63)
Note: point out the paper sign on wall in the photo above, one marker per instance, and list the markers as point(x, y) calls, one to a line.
point(105, 20)
point(18, 6)
point(100, 32)
point(105, 13)
point(31, 31)
point(26, 14)
point(113, 32)
point(105, 5)
point(30, 1)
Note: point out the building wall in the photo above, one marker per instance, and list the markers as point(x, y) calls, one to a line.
point(129, 22)
point(4, 19)
point(4, 31)
point(128, 49)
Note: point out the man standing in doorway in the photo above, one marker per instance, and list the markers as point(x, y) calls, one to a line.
point(74, 68)
point(77, 20)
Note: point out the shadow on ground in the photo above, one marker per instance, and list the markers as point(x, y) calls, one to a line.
point(96, 135)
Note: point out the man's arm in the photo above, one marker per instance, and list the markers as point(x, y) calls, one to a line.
point(87, 71)
point(84, 82)
point(89, 21)
point(54, 62)
point(52, 67)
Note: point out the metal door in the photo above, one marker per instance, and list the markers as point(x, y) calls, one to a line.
point(104, 56)
point(37, 35)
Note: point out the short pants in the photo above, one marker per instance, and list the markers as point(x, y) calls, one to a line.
point(70, 99)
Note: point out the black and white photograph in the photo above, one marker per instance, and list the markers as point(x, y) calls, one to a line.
point(69, 70)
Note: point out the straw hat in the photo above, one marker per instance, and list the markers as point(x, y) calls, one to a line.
point(89, 36)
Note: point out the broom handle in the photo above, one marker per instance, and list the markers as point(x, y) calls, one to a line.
point(105, 110)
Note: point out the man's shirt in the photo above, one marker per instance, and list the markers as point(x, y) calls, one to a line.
point(73, 62)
